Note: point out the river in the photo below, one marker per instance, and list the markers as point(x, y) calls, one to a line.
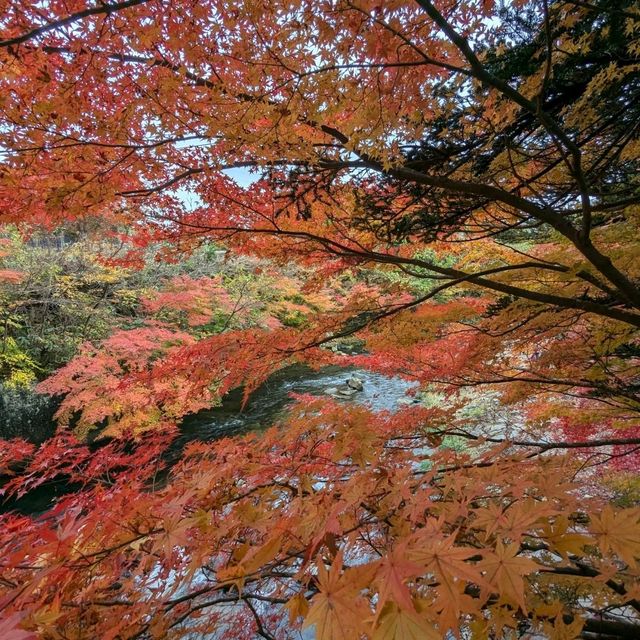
point(380, 392)
point(264, 406)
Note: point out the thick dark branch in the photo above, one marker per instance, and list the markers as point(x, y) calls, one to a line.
point(547, 446)
point(581, 238)
point(395, 309)
point(376, 257)
point(102, 8)
point(132, 193)
point(582, 569)
point(546, 215)
point(609, 628)
point(556, 382)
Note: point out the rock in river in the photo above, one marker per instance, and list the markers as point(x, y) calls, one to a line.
point(347, 390)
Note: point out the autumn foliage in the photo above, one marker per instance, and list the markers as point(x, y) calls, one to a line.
point(454, 186)
point(342, 522)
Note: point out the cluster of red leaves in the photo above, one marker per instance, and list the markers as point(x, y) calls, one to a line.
point(617, 457)
point(150, 377)
point(115, 381)
point(198, 298)
point(66, 457)
point(147, 378)
point(338, 518)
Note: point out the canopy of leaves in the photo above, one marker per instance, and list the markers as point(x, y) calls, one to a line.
point(453, 183)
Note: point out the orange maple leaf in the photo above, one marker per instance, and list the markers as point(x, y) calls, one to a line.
point(393, 571)
point(618, 531)
point(337, 611)
point(504, 569)
point(399, 624)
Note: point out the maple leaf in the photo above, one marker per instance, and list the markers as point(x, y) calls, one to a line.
point(338, 612)
point(618, 532)
point(504, 570)
point(513, 522)
point(298, 607)
point(262, 554)
point(560, 539)
point(560, 630)
point(447, 562)
point(399, 624)
point(392, 573)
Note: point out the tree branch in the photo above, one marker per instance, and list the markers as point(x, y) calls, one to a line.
point(102, 8)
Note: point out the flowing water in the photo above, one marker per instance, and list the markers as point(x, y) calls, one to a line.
point(265, 405)
point(381, 393)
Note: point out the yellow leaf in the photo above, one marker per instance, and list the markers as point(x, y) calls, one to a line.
point(298, 607)
point(561, 541)
point(399, 624)
point(505, 570)
point(263, 554)
point(618, 531)
point(562, 631)
point(337, 611)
